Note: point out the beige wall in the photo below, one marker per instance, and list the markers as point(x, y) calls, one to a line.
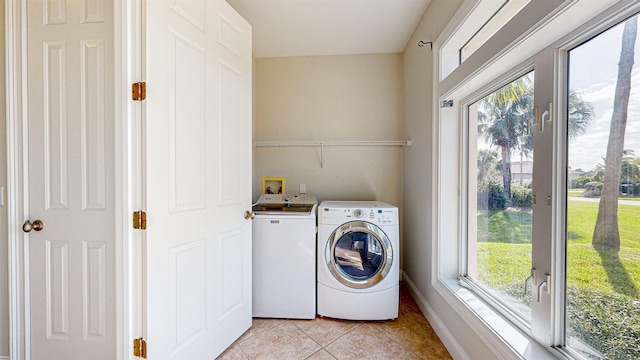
point(419, 102)
point(4, 288)
point(355, 97)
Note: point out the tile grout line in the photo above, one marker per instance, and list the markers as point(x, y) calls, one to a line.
point(339, 337)
point(312, 339)
point(405, 309)
point(358, 323)
point(277, 323)
point(410, 350)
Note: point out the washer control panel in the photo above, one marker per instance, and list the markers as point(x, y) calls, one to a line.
point(337, 212)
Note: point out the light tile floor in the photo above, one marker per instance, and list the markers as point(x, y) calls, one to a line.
point(409, 337)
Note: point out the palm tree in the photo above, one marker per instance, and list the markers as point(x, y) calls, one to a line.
point(580, 114)
point(502, 120)
point(606, 230)
point(488, 165)
point(513, 91)
point(598, 172)
point(629, 170)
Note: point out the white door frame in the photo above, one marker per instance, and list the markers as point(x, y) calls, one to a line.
point(128, 164)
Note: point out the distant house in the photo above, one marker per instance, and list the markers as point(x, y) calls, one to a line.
point(572, 175)
point(521, 172)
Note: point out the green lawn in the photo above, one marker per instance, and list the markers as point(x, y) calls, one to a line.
point(505, 227)
point(603, 285)
point(605, 269)
point(504, 249)
point(575, 192)
point(578, 193)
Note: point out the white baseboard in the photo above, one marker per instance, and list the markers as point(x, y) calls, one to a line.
point(4, 358)
point(455, 350)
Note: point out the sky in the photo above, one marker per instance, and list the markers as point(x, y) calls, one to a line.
point(593, 70)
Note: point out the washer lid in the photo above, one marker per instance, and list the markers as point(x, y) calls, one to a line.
point(287, 199)
point(282, 209)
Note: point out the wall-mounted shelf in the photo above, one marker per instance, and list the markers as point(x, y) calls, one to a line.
point(322, 144)
point(296, 143)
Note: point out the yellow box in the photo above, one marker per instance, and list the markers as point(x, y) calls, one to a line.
point(273, 185)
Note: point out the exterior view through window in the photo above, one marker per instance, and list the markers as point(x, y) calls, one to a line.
point(603, 196)
point(500, 201)
point(584, 299)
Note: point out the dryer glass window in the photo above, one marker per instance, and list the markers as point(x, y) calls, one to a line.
point(359, 255)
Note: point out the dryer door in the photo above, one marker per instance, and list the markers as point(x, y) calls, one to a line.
point(359, 254)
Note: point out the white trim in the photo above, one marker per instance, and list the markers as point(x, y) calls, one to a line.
point(470, 20)
point(133, 196)
point(492, 24)
point(448, 340)
point(435, 163)
point(542, 33)
point(18, 345)
point(448, 32)
point(505, 340)
point(127, 18)
point(559, 196)
point(120, 66)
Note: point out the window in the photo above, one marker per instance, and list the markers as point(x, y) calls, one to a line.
point(603, 196)
point(552, 241)
point(499, 210)
point(480, 24)
point(500, 12)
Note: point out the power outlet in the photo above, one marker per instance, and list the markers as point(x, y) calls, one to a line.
point(303, 188)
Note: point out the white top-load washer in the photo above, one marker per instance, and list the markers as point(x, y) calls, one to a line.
point(358, 260)
point(284, 253)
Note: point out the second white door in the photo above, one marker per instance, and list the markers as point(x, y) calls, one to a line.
point(198, 178)
point(71, 180)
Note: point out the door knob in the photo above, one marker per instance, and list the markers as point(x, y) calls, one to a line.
point(37, 225)
point(249, 215)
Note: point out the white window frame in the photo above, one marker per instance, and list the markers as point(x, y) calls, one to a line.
point(481, 19)
point(491, 26)
point(537, 30)
point(467, 196)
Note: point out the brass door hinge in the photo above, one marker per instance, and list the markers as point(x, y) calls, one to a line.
point(140, 220)
point(138, 91)
point(140, 348)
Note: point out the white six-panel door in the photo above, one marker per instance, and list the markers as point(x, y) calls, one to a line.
point(198, 177)
point(71, 179)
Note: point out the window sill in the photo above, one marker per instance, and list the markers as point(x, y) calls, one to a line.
point(506, 340)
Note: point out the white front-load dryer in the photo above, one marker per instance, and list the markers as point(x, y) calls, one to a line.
point(358, 260)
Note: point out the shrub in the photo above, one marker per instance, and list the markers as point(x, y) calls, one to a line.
point(521, 196)
point(491, 196)
point(581, 181)
point(608, 322)
point(592, 189)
